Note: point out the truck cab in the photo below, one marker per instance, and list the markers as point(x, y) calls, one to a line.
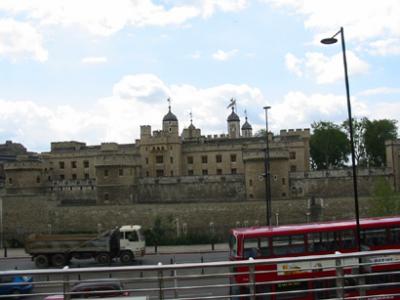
point(132, 243)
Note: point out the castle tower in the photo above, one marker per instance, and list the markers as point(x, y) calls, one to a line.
point(170, 122)
point(247, 130)
point(233, 125)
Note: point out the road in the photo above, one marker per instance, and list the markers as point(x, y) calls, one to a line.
point(135, 281)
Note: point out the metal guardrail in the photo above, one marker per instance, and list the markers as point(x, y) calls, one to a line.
point(346, 276)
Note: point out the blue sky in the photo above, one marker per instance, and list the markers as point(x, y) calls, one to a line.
point(94, 71)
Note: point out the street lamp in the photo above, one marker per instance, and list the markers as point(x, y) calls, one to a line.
point(267, 174)
point(329, 41)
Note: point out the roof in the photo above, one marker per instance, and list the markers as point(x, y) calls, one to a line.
point(170, 116)
point(233, 117)
point(247, 126)
point(312, 227)
point(130, 227)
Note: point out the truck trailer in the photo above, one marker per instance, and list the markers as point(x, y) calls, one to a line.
point(125, 243)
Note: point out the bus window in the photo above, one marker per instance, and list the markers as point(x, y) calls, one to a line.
point(348, 239)
point(323, 241)
point(233, 245)
point(288, 244)
point(374, 237)
point(250, 248)
point(394, 235)
point(264, 247)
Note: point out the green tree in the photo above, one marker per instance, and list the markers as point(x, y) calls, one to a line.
point(329, 146)
point(384, 200)
point(260, 132)
point(376, 133)
point(358, 138)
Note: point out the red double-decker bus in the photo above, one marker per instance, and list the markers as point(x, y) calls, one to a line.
point(314, 239)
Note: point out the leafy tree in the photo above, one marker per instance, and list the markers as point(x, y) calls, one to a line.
point(376, 133)
point(329, 146)
point(358, 138)
point(384, 200)
point(260, 132)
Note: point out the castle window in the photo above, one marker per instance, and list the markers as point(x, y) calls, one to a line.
point(159, 159)
point(171, 160)
point(190, 172)
point(73, 164)
point(61, 164)
point(204, 159)
point(105, 173)
point(251, 182)
point(10, 180)
point(121, 172)
point(38, 179)
point(283, 181)
point(73, 176)
point(49, 178)
point(147, 160)
point(218, 158)
point(172, 173)
point(292, 155)
point(293, 168)
point(106, 196)
point(190, 160)
point(86, 164)
point(233, 157)
point(147, 174)
point(233, 171)
point(86, 176)
point(219, 171)
point(160, 173)
point(62, 177)
point(205, 172)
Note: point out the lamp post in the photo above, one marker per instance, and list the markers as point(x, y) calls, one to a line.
point(329, 41)
point(267, 171)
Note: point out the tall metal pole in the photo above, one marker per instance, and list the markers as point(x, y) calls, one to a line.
point(267, 172)
point(329, 41)
point(353, 160)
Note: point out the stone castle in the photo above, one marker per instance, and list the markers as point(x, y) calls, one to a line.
point(197, 180)
point(162, 166)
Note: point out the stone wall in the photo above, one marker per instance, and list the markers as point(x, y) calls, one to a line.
point(24, 215)
point(211, 188)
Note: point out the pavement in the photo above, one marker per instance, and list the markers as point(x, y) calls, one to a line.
point(20, 252)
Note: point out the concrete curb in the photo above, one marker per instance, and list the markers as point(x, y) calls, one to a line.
point(15, 253)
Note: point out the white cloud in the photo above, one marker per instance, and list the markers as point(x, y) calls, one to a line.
point(293, 64)
point(20, 40)
point(380, 91)
point(299, 110)
point(94, 60)
point(323, 68)
point(224, 55)
point(104, 18)
point(362, 20)
point(385, 47)
point(135, 100)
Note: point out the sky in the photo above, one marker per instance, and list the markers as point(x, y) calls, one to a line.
point(95, 70)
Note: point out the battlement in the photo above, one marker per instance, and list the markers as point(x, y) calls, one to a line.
point(295, 132)
point(67, 146)
point(104, 147)
point(216, 136)
point(23, 165)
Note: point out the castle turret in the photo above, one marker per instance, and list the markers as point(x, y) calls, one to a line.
point(170, 123)
point(233, 125)
point(247, 130)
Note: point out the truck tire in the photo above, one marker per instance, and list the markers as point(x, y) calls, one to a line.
point(41, 261)
point(58, 260)
point(126, 257)
point(103, 258)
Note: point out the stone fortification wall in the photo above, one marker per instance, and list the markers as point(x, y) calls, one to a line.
point(336, 183)
point(25, 215)
point(191, 189)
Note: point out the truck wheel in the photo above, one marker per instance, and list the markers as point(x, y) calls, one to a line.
point(41, 261)
point(103, 258)
point(126, 257)
point(58, 260)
